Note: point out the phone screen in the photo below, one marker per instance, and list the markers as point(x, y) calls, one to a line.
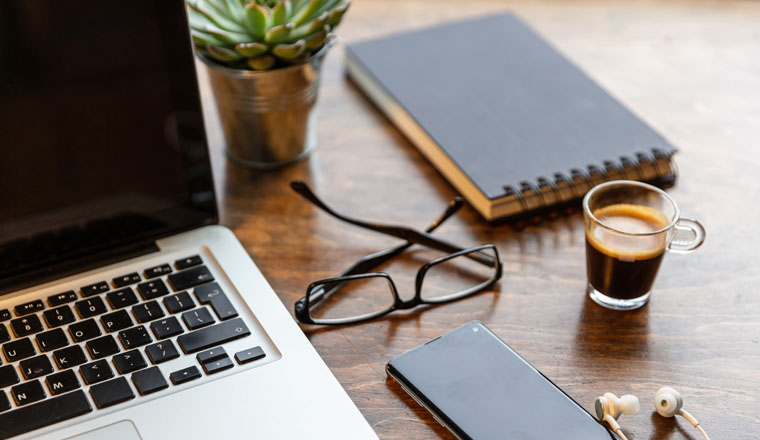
point(481, 389)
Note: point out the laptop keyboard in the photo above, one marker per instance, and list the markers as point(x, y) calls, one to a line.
point(110, 334)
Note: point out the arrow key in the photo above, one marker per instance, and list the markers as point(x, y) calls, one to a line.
point(185, 375)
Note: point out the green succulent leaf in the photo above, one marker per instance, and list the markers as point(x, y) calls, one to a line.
point(335, 15)
point(279, 34)
point(223, 54)
point(289, 51)
point(317, 40)
point(279, 15)
point(307, 11)
point(226, 36)
point(251, 50)
point(201, 39)
point(263, 62)
point(256, 19)
point(313, 26)
point(236, 10)
point(215, 19)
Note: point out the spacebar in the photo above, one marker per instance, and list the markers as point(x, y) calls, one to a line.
point(212, 336)
point(39, 415)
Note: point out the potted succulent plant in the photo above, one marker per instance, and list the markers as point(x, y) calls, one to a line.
point(263, 58)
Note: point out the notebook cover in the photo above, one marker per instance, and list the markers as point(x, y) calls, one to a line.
point(503, 104)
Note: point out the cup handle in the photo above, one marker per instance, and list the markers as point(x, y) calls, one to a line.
point(689, 235)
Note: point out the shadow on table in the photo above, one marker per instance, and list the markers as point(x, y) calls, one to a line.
point(612, 334)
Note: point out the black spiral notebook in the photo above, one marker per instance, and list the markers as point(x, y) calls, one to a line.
point(512, 124)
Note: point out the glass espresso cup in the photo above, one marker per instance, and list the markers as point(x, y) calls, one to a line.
point(629, 227)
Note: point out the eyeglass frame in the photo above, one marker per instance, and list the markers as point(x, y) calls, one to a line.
point(302, 310)
point(373, 260)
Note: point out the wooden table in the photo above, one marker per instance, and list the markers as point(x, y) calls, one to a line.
point(692, 70)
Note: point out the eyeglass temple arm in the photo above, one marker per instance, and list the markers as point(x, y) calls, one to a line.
point(405, 233)
point(369, 262)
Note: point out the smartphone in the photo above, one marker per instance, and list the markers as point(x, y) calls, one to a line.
point(475, 385)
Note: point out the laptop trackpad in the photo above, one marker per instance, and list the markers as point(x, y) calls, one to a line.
point(124, 430)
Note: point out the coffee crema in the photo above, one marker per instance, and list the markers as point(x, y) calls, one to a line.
point(624, 266)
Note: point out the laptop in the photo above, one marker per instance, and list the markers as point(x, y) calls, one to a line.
point(125, 311)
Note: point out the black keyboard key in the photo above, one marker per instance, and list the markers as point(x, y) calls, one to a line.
point(102, 347)
point(52, 340)
point(157, 271)
point(59, 316)
point(27, 392)
point(62, 298)
point(46, 413)
point(166, 328)
point(211, 355)
point(5, 315)
point(4, 335)
point(69, 357)
point(8, 376)
point(129, 362)
point(148, 311)
point(197, 318)
point(149, 381)
point(84, 330)
point(218, 365)
point(19, 349)
point(30, 307)
point(95, 372)
point(212, 336)
point(5, 404)
point(28, 325)
point(152, 289)
point(161, 352)
point(113, 322)
point(62, 382)
point(126, 280)
point(111, 393)
point(184, 263)
point(179, 302)
point(35, 367)
point(213, 294)
point(185, 375)
point(122, 298)
point(190, 278)
point(91, 307)
point(135, 337)
point(250, 355)
point(94, 289)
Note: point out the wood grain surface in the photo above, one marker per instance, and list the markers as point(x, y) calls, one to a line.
point(692, 70)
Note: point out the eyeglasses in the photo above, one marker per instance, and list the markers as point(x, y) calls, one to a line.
point(368, 295)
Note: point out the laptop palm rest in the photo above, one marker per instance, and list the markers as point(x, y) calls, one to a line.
point(124, 430)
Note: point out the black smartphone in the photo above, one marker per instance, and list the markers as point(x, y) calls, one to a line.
point(475, 385)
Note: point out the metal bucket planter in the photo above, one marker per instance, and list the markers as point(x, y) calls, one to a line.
point(268, 117)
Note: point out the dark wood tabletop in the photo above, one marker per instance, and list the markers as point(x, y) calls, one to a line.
point(690, 69)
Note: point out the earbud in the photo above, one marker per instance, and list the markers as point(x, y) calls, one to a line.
point(669, 403)
point(609, 407)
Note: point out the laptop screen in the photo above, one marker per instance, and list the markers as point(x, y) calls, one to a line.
point(102, 143)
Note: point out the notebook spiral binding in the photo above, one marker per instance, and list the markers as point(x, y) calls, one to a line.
point(652, 167)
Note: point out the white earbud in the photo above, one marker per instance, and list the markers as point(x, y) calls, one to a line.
point(669, 403)
point(609, 407)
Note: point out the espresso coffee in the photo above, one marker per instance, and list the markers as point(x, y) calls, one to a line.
point(624, 266)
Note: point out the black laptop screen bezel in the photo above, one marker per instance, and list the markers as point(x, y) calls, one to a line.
point(198, 206)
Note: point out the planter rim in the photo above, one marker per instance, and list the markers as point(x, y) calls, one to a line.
point(245, 73)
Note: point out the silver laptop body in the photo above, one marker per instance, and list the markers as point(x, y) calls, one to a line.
point(126, 313)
